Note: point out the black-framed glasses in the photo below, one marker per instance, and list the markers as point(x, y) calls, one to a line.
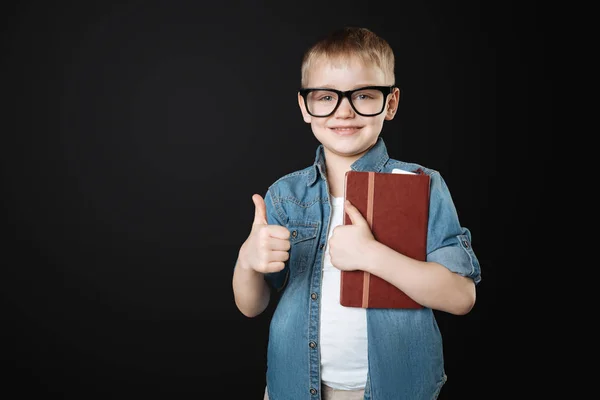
point(367, 101)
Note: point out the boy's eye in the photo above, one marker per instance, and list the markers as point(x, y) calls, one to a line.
point(368, 95)
point(324, 96)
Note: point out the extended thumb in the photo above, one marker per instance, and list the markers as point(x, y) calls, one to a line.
point(355, 216)
point(260, 210)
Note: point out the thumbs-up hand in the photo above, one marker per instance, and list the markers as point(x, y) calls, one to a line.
point(349, 244)
point(266, 248)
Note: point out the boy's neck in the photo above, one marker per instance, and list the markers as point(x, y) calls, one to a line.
point(337, 167)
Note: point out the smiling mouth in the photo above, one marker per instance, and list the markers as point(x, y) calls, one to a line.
point(345, 129)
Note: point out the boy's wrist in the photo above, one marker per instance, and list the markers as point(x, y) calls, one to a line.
point(242, 263)
point(245, 266)
point(372, 255)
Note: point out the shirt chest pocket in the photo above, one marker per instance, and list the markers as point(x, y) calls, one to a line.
point(303, 240)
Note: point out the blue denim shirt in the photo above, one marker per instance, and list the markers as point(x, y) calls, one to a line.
point(405, 358)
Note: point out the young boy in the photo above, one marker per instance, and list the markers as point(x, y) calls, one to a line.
point(298, 245)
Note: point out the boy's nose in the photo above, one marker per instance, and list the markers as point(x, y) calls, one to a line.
point(345, 109)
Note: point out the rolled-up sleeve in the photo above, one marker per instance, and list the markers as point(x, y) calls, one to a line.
point(449, 243)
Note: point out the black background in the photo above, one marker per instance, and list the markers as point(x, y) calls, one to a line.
point(135, 133)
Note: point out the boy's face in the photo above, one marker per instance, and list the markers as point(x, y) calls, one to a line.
point(346, 133)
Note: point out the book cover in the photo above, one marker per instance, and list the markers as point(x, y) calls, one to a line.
point(396, 206)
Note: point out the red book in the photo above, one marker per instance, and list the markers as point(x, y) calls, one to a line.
point(396, 206)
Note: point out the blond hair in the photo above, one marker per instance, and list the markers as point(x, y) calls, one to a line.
point(348, 42)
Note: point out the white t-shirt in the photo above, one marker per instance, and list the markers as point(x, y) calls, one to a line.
point(343, 329)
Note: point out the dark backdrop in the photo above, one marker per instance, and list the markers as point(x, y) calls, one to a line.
point(134, 134)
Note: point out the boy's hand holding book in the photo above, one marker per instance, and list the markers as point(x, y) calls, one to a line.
point(349, 244)
point(267, 246)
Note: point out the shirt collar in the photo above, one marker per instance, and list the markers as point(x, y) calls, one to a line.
point(372, 160)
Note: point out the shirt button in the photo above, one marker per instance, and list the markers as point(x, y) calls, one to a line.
point(294, 233)
point(313, 296)
point(312, 345)
point(322, 246)
point(313, 391)
point(466, 243)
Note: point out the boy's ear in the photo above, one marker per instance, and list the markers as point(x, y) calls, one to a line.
point(305, 115)
point(393, 104)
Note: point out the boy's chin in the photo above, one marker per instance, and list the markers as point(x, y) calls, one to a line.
point(349, 150)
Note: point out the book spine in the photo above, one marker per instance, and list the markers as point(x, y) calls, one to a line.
point(366, 275)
